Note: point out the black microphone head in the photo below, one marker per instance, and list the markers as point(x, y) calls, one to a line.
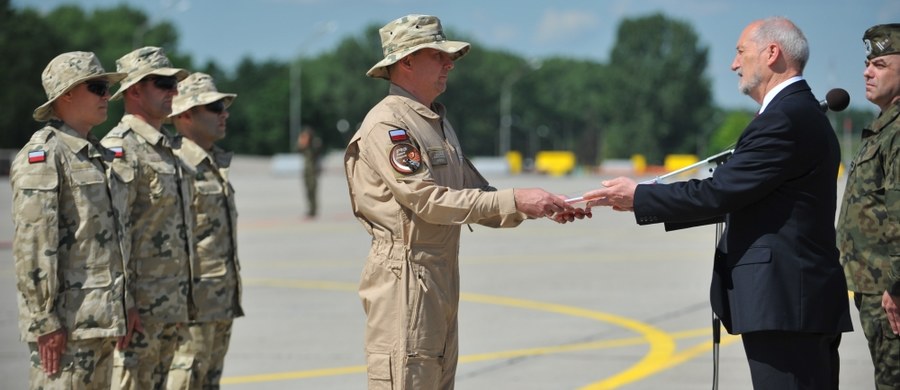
point(837, 99)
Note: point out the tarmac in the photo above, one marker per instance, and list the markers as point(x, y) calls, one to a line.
point(600, 303)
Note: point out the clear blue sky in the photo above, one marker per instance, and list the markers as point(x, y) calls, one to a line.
point(227, 30)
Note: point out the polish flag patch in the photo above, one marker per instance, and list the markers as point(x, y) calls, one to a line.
point(37, 156)
point(119, 152)
point(398, 135)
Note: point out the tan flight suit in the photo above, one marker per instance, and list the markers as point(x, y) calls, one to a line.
point(410, 284)
point(69, 263)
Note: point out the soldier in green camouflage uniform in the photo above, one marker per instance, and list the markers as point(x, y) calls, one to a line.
point(159, 267)
point(869, 224)
point(69, 263)
point(310, 145)
point(199, 113)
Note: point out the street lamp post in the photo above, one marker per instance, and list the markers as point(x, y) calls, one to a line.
point(506, 104)
point(295, 70)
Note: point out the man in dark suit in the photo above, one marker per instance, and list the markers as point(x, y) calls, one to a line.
point(776, 277)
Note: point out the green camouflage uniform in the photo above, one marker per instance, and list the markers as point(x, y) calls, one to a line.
point(869, 228)
point(311, 169)
point(869, 237)
point(217, 290)
point(160, 260)
point(67, 253)
point(203, 343)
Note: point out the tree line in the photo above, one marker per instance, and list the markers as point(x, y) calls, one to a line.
point(653, 97)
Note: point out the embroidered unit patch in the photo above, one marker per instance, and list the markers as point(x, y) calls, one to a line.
point(405, 158)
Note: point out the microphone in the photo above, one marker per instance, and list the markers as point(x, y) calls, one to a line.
point(836, 99)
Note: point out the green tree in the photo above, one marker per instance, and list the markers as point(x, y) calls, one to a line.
point(663, 97)
point(726, 135)
point(23, 60)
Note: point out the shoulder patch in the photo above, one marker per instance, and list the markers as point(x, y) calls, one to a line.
point(398, 135)
point(405, 158)
point(37, 156)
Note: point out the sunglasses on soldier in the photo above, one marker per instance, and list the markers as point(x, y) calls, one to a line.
point(216, 107)
point(97, 87)
point(165, 83)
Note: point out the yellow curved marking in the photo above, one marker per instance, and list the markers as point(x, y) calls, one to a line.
point(662, 345)
point(660, 357)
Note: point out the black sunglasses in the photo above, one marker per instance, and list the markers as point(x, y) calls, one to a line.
point(97, 87)
point(216, 107)
point(165, 83)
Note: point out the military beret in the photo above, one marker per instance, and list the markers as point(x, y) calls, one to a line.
point(882, 39)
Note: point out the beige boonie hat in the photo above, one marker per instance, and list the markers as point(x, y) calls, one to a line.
point(409, 34)
point(65, 72)
point(196, 90)
point(140, 63)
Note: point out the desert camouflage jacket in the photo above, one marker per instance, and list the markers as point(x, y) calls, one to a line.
point(69, 262)
point(159, 267)
point(217, 283)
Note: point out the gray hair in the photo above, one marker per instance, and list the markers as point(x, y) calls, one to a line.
point(787, 35)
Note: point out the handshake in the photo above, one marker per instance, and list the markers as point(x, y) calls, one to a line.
point(617, 193)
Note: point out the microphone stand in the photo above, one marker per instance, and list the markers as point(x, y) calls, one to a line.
point(718, 159)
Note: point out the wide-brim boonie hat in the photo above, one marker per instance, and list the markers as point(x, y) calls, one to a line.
point(65, 72)
point(196, 90)
point(143, 62)
point(410, 33)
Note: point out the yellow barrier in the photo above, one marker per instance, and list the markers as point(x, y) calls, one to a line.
point(639, 162)
point(675, 162)
point(514, 159)
point(554, 162)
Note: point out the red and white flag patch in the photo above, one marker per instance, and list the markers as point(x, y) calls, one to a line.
point(398, 135)
point(119, 152)
point(37, 156)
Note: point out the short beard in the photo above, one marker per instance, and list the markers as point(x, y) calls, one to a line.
point(750, 85)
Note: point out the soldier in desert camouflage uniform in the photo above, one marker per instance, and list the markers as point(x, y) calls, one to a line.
point(869, 224)
point(199, 113)
point(159, 267)
point(69, 263)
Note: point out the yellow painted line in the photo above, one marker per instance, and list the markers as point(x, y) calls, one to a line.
point(674, 360)
point(660, 357)
point(662, 346)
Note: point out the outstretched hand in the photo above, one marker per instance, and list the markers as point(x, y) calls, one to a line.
point(569, 216)
point(537, 203)
point(617, 193)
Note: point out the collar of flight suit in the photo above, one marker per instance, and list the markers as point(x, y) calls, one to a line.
point(416, 105)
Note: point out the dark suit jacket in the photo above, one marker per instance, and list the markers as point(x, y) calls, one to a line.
point(776, 267)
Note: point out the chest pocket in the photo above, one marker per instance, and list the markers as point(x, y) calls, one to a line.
point(209, 197)
point(88, 182)
point(868, 171)
point(163, 183)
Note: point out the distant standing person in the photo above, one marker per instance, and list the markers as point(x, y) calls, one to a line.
point(869, 223)
point(309, 143)
point(70, 268)
point(200, 113)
